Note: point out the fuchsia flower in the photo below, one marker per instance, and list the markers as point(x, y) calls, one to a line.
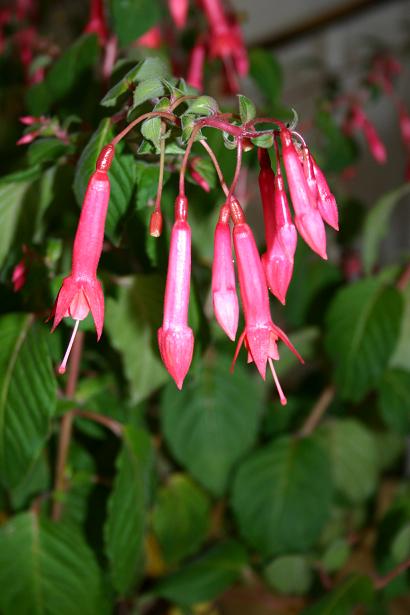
point(326, 202)
point(260, 334)
point(179, 11)
point(308, 220)
point(225, 299)
point(358, 120)
point(175, 337)
point(81, 290)
point(96, 21)
point(195, 76)
point(19, 275)
point(280, 232)
point(152, 39)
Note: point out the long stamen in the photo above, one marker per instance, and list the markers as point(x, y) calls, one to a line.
point(282, 397)
point(63, 364)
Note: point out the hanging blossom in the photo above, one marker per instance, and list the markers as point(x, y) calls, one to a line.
point(313, 206)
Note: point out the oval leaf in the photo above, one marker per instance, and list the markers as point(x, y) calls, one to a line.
point(27, 395)
point(212, 422)
point(282, 495)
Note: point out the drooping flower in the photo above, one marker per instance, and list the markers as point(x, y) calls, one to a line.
point(175, 337)
point(152, 39)
point(358, 120)
point(96, 21)
point(224, 297)
point(308, 220)
point(261, 334)
point(81, 291)
point(179, 11)
point(326, 202)
point(195, 76)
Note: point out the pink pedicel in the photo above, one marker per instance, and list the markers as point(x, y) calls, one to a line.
point(81, 291)
point(179, 12)
point(195, 76)
point(175, 337)
point(260, 335)
point(224, 296)
point(308, 220)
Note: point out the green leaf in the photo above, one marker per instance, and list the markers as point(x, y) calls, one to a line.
point(353, 592)
point(131, 18)
point(394, 400)
point(146, 90)
point(127, 509)
point(376, 225)
point(353, 453)
point(267, 73)
point(212, 422)
point(335, 556)
point(27, 395)
point(206, 578)
point(147, 69)
point(180, 518)
point(205, 168)
point(282, 495)
point(147, 183)
point(401, 355)
point(47, 568)
point(11, 200)
point(203, 105)
point(46, 150)
point(151, 130)
point(121, 174)
point(130, 323)
point(247, 109)
point(339, 151)
point(289, 574)
point(362, 325)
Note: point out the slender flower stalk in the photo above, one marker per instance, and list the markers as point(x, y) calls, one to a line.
point(175, 337)
point(225, 299)
point(81, 291)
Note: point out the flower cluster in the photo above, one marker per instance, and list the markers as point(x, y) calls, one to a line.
point(313, 205)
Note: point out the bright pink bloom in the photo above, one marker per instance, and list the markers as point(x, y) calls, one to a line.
point(195, 76)
point(152, 39)
point(326, 202)
point(179, 11)
point(260, 334)
point(374, 142)
point(225, 299)
point(19, 275)
point(196, 174)
point(96, 21)
point(81, 290)
point(175, 337)
point(28, 138)
point(308, 220)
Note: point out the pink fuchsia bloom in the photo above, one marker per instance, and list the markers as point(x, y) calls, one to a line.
point(326, 202)
point(175, 337)
point(152, 39)
point(224, 297)
point(359, 120)
point(280, 232)
point(28, 138)
point(308, 220)
point(195, 76)
point(19, 275)
point(81, 291)
point(96, 21)
point(179, 12)
point(260, 334)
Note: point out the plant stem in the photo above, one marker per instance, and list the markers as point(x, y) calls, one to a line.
point(168, 116)
point(161, 169)
point(66, 427)
point(318, 411)
point(106, 421)
point(381, 582)
point(215, 162)
point(237, 170)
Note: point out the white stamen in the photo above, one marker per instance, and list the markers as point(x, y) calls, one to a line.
point(282, 397)
point(61, 369)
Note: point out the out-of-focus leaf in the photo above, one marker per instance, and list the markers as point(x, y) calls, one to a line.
point(47, 568)
point(266, 71)
point(355, 591)
point(131, 18)
point(353, 453)
point(180, 518)
point(212, 422)
point(394, 400)
point(127, 509)
point(376, 224)
point(205, 578)
point(131, 322)
point(46, 150)
point(27, 395)
point(86, 163)
point(304, 340)
point(339, 151)
point(335, 555)
point(269, 489)
point(362, 329)
point(147, 183)
point(206, 169)
point(289, 574)
point(247, 109)
point(11, 200)
point(401, 354)
point(36, 481)
point(148, 69)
